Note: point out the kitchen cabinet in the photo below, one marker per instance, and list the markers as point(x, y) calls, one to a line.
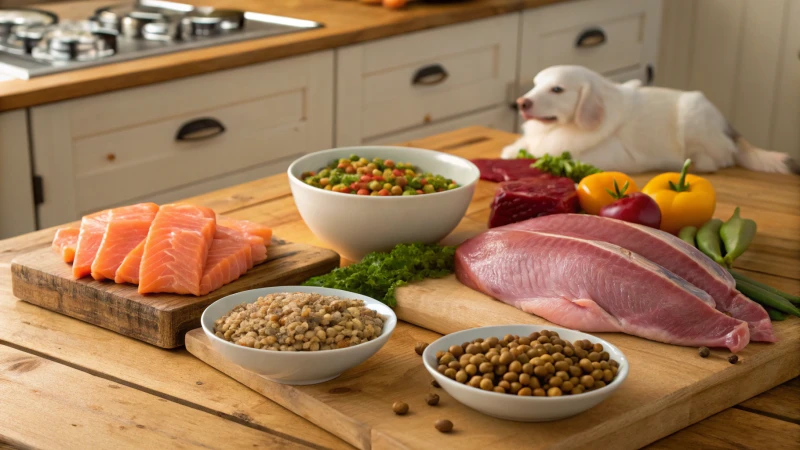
point(17, 214)
point(617, 38)
point(427, 82)
point(744, 55)
point(180, 138)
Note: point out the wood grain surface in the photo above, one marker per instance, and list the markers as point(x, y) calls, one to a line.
point(346, 22)
point(42, 278)
point(186, 383)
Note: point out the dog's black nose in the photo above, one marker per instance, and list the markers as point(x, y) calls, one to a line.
point(524, 103)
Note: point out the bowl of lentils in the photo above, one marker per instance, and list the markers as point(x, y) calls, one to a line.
point(526, 373)
point(298, 334)
point(365, 199)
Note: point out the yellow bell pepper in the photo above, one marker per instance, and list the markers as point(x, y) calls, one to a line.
point(685, 200)
point(595, 191)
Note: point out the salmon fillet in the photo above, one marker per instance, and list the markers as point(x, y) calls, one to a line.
point(93, 228)
point(65, 242)
point(229, 257)
point(127, 228)
point(128, 271)
point(176, 249)
point(260, 236)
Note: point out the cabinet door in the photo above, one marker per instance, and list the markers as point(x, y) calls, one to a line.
point(427, 78)
point(176, 139)
point(786, 116)
point(17, 213)
point(612, 37)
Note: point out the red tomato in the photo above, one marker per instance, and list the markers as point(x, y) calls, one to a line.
point(363, 192)
point(636, 208)
point(383, 192)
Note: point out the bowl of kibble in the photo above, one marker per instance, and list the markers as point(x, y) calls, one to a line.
point(365, 199)
point(298, 334)
point(526, 373)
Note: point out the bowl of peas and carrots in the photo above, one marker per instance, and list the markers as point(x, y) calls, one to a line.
point(364, 199)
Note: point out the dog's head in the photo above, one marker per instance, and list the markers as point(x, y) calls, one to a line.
point(563, 95)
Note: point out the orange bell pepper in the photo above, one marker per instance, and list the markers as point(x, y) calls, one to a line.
point(684, 199)
point(594, 191)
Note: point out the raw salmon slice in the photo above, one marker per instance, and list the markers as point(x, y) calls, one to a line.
point(65, 242)
point(260, 235)
point(127, 228)
point(93, 228)
point(128, 271)
point(229, 257)
point(176, 249)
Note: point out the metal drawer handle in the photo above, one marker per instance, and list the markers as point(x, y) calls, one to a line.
point(430, 75)
point(199, 129)
point(592, 37)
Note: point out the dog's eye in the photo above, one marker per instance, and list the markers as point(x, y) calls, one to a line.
point(557, 89)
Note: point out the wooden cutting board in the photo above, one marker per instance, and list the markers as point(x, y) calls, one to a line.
point(42, 278)
point(668, 387)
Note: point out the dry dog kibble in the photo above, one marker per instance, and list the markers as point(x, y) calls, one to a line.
point(444, 425)
point(399, 408)
point(704, 352)
point(432, 399)
point(300, 322)
point(420, 347)
point(435, 384)
point(733, 359)
point(541, 364)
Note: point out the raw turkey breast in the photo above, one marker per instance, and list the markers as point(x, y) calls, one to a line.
point(594, 286)
point(667, 251)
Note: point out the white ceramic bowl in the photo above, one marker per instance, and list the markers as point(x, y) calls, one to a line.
point(295, 367)
point(513, 407)
point(355, 225)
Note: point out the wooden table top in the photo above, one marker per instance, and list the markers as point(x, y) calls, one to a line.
point(68, 384)
point(346, 22)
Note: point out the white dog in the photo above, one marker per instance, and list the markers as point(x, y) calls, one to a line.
point(631, 128)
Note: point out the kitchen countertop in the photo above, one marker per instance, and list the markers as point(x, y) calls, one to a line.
point(346, 22)
point(65, 383)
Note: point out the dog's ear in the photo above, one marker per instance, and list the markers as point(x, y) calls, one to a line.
point(590, 112)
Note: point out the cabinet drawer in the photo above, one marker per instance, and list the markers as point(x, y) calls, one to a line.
point(404, 82)
point(603, 35)
point(118, 147)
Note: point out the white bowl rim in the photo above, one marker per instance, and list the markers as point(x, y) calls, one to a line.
point(622, 374)
point(385, 332)
point(476, 173)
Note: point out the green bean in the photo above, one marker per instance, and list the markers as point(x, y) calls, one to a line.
point(708, 240)
point(688, 234)
point(792, 298)
point(736, 234)
point(775, 315)
point(766, 298)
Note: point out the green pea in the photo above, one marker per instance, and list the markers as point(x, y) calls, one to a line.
point(354, 158)
point(428, 189)
point(451, 186)
point(375, 185)
point(409, 192)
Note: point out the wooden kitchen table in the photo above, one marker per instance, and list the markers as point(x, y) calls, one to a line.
point(68, 384)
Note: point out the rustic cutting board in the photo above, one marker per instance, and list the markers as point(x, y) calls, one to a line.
point(668, 388)
point(42, 278)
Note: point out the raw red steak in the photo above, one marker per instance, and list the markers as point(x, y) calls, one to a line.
point(505, 169)
point(527, 198)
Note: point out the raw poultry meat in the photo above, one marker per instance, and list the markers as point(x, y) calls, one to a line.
point(127, 228)
point(525, 199)
point(229, 257)
point(594, 286)
point(505, 169)
point(667, 251)
point(176, 249)
point(93, 228)
point(65, 241)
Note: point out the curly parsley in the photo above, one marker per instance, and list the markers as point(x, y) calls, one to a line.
point(561, 166)
point(379, 274)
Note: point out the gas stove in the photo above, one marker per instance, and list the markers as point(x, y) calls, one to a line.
point(35, 42)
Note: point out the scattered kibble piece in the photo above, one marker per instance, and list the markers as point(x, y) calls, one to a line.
point(400, 408)
point(435, 384)
point(420, 347)
point(541, 364)
point(704, 352)
point(444, 425)
point(432, 399)
point(733, 359)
